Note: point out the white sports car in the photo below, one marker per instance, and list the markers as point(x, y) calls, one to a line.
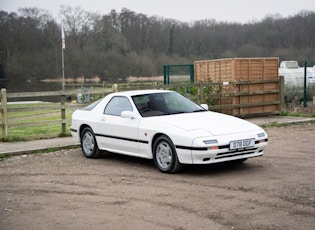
point(167, 127)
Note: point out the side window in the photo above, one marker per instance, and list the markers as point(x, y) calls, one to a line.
point(117, 105)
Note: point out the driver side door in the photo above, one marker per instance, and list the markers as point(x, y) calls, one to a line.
point(118, 134)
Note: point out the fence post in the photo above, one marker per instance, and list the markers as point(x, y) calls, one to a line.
point(115, 88)
point(63, 112)
point(281, 93)
point(241, 110)
point(305, 76)
point(4, 111)
point(201, 96)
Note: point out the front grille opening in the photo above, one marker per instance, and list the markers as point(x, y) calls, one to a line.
point(236, 153)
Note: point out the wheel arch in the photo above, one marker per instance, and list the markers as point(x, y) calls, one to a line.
point(156, 136)
point(175, 165)
point(82, 127)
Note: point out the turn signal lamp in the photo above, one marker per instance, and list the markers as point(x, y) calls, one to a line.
point(211, 142)
point(214, 148)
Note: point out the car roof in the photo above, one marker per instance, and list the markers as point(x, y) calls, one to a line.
point(139, 92)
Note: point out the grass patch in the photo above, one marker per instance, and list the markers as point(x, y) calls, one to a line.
point(274, 124)
point(296, 114)
point(277, 124)
point(33, 121)
point(49, 150)
point(54, 149)
point(38, 152)
point(3, 157)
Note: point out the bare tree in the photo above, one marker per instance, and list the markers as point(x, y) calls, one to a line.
point(79, 24)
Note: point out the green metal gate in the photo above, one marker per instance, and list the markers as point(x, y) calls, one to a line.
point(178, 74)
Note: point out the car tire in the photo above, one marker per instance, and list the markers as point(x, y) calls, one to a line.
point(165, 156)
point(88, 144)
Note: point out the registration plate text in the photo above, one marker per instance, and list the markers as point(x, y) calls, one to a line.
point(241, 144)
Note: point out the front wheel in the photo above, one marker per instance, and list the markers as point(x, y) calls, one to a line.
point(164, 155)
point(88, 144)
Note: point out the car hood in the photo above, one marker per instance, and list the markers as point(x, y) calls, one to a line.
point(212, 122)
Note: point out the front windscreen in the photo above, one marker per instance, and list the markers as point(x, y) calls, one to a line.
point(166, 103)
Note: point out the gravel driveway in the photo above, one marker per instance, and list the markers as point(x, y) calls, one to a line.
point(64, 190)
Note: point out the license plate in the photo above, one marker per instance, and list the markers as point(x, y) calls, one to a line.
point(241, 144)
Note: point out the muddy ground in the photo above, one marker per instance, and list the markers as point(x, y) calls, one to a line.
point(64, 190)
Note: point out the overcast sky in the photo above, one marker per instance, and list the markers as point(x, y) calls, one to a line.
point(186, 11)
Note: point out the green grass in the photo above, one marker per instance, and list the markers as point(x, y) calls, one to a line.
point(274, 124)
point(50, 150)
point(2, 157)
point(296, 114)
point(277, 124)
point(32, 121)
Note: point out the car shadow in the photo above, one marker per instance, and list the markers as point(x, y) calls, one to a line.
point(220, 168)
point(126, 160)
point(212, 169)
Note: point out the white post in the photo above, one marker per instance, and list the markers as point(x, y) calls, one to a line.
point(63, 71)
point(63, 46)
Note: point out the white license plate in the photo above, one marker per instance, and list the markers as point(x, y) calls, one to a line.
point(241, 144)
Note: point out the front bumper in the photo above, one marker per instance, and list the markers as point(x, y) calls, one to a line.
point(223, 154)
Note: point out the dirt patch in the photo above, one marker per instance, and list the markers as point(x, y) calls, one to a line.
point(64, 190)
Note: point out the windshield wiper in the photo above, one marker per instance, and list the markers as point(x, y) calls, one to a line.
point(179, 112)
point(199, 110)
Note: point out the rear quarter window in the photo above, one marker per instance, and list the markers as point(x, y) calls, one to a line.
point(117, 105)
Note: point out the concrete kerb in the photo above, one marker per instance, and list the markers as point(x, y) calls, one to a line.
point(50, 145)
point(280, 120)
point(38, 150)
point(36, 146)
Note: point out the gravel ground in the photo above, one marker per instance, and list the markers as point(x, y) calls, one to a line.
point(64, 190)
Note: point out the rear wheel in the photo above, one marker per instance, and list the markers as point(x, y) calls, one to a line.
point(88, 144)
point(164, 154)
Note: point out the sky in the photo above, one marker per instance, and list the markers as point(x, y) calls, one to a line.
point(241, 11)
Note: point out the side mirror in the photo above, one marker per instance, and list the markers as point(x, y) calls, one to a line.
point(128, 114)
point(205, 106)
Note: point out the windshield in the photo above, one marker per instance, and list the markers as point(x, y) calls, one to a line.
point(165, 103)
